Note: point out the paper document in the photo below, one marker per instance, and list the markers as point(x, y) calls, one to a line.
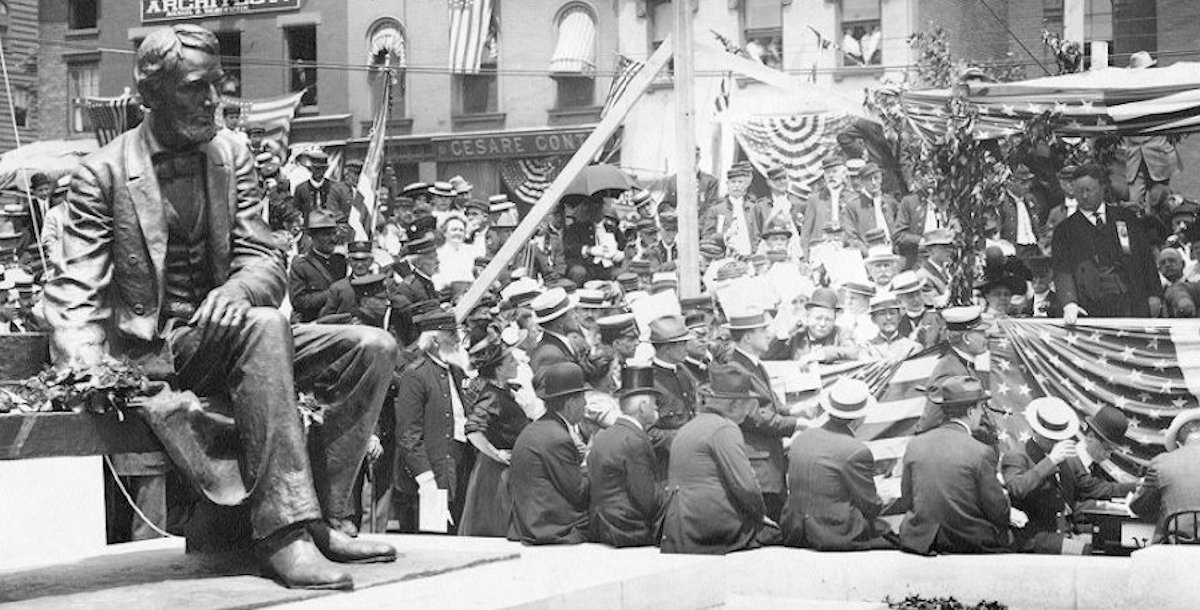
point(434, 511)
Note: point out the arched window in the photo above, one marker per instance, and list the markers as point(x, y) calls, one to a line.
point(573, 64)
point(386, 47)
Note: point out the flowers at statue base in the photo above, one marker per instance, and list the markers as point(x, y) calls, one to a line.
point(103, 387)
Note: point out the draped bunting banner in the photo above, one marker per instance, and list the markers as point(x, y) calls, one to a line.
point(798, 143)
point(529, 178)
point(1149, 369)
point(1105, 102)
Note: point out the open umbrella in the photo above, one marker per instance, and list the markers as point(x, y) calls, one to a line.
point(55, 158)
point(596, 178)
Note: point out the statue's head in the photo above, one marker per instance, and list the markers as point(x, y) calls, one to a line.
point(178, 74)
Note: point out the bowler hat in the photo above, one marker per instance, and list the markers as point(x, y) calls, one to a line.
point(1052, 418)
point(320, 219)
point(1172, 435)
point(560, 379)
point(1110, 424)
point(40, 179)
point(823, 297)
point(437, 320)
point(551, 305)
point(732, 381)
point(848, 399)
point(669, 329)
point(959, 390)
point(637, 380)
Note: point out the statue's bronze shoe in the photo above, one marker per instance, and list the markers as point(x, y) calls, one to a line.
point(341, 548)
point(300, 565)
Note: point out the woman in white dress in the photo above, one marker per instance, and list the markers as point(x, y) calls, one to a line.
point(455, 257)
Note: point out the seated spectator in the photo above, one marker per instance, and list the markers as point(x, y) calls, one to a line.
point(626, 485)
point(1172, 483)
point(1043, 301)
point(546, 478)
point(714, 503)
point(918, 321)
point(888, 343)
point(998, 292)
point(833, 504)
point(1046, 483)
point(1180, 296)
point(855, 318)
point(949, 488)
point(821, 339)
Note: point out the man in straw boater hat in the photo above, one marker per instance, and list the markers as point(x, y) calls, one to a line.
point(1046, 480)
point(193, 288)
point(949, 488)
point(714, 503)
point(1172, 482)
point(765, 427)
point(546, 479)
point(918, 321)
point(627, 491)
point(888, 343)
point(554, 311)
point(882, 265)
point(669, 335)
point(833, 504)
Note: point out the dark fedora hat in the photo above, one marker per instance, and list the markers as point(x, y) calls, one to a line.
point(637, 380)
point(560, 379)
point(959, 390)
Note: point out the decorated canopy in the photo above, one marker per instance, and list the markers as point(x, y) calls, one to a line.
point(1111, 101)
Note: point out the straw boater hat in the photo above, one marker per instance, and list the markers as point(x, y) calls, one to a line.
point(884, 301)
point(848, 399)
point(414, 189)
point(520, 291)
point(860, 288)
point(881, 254)
point(590, 298)
point(1172, 440)
point(551, 305)
point(442, 189)
point(1053, 418)
point(748, 320)
point(907, 282)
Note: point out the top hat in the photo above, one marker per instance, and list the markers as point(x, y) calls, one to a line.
point(358, 249)
point(746, 321)
point(1110, 424)
point(848, 399)
point(560, 379)
point(731, 381)
point(637, 380)
point(1172, 435)
point(1052, 418)
point(959, 390)
point(962, 318)
point(669, 329)
point(551, 305)
point(906, 282)
point(320, 219)
point(442, 189)
point(435, 320)
point(823, 297)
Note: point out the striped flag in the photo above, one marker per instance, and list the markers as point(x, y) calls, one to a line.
point(274, 114)
point(470, 25)
point(626, 69)
point(362, 207)
point(112, 116)
point(721, 103)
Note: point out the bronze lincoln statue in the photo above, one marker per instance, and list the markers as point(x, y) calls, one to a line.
point(169, 263)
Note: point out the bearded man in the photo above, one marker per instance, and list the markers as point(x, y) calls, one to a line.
point(173, 267)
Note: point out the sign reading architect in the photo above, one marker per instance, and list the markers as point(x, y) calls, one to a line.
point(510, 145)
point(170, 10)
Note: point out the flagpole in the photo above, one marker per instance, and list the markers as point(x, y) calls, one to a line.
point(387, 112)
point(12, 114)
point(685, 152)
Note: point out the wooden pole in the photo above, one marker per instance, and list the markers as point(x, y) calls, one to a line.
point(685, 152)
point(581, 159)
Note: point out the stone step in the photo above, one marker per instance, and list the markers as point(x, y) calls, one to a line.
point(752, 602)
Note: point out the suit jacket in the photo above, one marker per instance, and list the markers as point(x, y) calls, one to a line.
point(580, 235)
point(547, 484)
point(1008, 219)
point(714, 504)
point(818, 212)
point(309, 283)
point(413, 289)
point(859, 218)
point(1172, 484)
point(676, 407)
point(1046, 492)
point(764, 429)
point(1079, 248)
point(720, 218)
point(927, 330)
point(116, 241)
point(954, 502)
point(1054, 308)
point(837, 346)
point(550, 350)
point(949, 364)
point(832, 504)
point(425, 419)
point(336, 198)
point(1155, 152)
point(627, 489)
point(910, 222)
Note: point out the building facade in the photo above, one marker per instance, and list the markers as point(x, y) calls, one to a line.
point(18, 91)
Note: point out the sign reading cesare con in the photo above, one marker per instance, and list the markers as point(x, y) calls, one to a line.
point(170, 10)
point(509, 145)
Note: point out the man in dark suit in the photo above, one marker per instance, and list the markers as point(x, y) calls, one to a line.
point(320, 193)
point(594, 245)
point(766, 426)
point(627, 490)
point(173, 266)
point(833, 504)
point(966, 342)
point(677, 388)
point(918, 321)
point(314, 273)
point(555, 311)
point(1172, 483)
point(1046, 483)
point(1020, 214)
point(1103, 258)
point(1044, 303)
point(546, 479)
point(875, 209)
point(416, 287)
point(431, 412)
point(824, 207)
point(949, 488)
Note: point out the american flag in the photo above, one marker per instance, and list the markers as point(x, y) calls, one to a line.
point(528, 178)
point(626, 69)
point(798, 143)
point(362, 207)
point(470, 25)
point(112, 116)
point(274, 114)
point(725, 90)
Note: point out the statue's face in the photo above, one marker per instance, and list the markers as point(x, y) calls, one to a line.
point(186, 101)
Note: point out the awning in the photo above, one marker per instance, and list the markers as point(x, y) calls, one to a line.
point(388, 39)
point(55, 158)
point(575, 52)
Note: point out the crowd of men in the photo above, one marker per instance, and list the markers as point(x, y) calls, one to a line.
point(560, 410)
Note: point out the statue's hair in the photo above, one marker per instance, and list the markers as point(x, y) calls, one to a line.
point(159, 54)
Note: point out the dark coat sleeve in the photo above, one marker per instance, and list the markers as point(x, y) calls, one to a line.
point(304, 284)
point(1148, 501)
point(729, 454)
point(859, 476)
point(1062, 256)
point(410, 421)
point(563, 466)
point(646, 494)
point(1022, 476)
point(1090, 487)
point(992, 498)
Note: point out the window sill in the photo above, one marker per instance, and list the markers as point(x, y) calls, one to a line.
point(662, 82)
point(845, 72)
point(401, 126)
point(82, 33)
point(573, 116)
point(478, 122)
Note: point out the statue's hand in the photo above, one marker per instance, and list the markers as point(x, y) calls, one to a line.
point(219, 316)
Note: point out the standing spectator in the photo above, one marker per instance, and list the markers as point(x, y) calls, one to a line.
point(875, 210)
point(833, 504)
point(1060, 212)
point(312, 274)
point(1103, 260)
point(949, 488)
point(1149, 160)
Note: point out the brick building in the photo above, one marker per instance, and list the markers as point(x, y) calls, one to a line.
point(18, 33)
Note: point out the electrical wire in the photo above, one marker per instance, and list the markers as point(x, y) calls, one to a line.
point(137, 511)
point(1004, 24)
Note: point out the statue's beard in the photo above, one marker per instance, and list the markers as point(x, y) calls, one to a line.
point(179, 128)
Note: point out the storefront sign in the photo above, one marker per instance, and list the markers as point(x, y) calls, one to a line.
point(510, 145)
point(170, 10)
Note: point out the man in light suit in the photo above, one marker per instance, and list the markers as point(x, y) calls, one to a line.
point(833, 504)
point(875, 210)
point(824, 207)
point(1172, 483)
point(173, 267)
point(739, 218)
